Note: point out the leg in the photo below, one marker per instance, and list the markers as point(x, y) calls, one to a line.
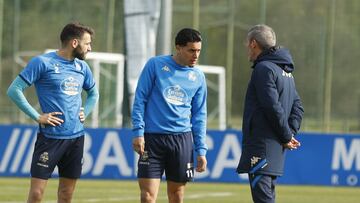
point(175, 191)
point(149, 188)
point(37, 188)
point(66, 189)
point(262, 188)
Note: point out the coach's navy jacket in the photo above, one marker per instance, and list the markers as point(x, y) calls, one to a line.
point(272, 113)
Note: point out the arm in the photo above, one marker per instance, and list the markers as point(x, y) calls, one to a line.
point(198, 121)
point(15, 93)
point(268, 97)
point(91, 99)
point(297, 112)
point(143, 90)
point(142, 93)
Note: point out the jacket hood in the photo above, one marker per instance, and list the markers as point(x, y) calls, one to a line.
point(278, 55)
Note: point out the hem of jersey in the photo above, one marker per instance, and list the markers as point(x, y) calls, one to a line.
point(78, 134)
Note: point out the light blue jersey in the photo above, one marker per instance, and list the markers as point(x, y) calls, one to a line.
point(171, 98)
point(59, 83)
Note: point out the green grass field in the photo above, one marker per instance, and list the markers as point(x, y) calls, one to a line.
point(14, 190)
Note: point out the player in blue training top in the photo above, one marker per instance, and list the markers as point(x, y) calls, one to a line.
point(169, 116)
point(59, 78)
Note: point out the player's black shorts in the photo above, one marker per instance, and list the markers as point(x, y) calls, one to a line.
point(172, 153)
point(67, 154)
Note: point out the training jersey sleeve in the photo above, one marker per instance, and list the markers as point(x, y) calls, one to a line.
point(198, 118)
point(88, 79)
point(33, 70)
point(143, 89)
point(15, 93)
point(91, 99)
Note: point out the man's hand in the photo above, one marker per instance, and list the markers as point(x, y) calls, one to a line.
point(293, 144)
point(82, 114)
point(201, 164)
point(50, 119)
point(139, 144)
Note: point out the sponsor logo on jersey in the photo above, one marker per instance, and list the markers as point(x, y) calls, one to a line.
point(175, 95)
point(70, 86)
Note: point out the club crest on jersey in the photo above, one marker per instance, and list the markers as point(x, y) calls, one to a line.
point(77, 67)
point(192, 76)
point(70, 86)
point(165, 68)
point(175, 95)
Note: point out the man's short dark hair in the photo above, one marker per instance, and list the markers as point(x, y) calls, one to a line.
point(187, 35)
point(74, 30)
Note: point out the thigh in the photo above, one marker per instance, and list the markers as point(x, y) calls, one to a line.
point(262, 188)
point(149, 186)
point(70, 164)
point(37, 186)
point(47, 153)
point(180, 159)
point(151, 164)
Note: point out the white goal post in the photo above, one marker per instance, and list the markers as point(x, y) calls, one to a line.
point(220, 88)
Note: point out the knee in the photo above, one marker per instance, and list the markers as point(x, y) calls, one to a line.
point(147, 197)
point(177, 196)
point(65, 195)
point(35, 195)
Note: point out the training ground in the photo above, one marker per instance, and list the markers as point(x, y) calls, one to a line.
point(14, 190)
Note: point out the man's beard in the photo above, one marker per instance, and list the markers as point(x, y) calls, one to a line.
point(78, 54)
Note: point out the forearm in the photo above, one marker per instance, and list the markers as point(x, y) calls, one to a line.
point(199, 133)
point(91, 99)
point(15, 93)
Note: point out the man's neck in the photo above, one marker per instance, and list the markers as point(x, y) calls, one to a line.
point(66, 54)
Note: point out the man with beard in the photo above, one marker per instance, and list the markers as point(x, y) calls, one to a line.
point(272, 114)
point(59, 78)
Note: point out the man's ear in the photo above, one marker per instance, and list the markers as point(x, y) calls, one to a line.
point(74, 43)
point(253, 44)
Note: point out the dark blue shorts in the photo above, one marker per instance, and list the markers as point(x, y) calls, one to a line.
point(67, 154)
point(172, 153)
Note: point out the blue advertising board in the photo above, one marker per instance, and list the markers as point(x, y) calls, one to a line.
point(322, 159)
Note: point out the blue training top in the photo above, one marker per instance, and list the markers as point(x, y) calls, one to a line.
point(59, 83)
point(171, 98)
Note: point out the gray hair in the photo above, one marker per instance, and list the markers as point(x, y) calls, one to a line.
point(263, 35)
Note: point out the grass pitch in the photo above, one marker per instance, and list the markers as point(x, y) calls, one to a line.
point(14, 190)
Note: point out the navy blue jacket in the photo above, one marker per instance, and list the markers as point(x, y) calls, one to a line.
point(272, 113)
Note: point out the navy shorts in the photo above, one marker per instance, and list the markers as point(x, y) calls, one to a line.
point(67, 154)
point(172, 153)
